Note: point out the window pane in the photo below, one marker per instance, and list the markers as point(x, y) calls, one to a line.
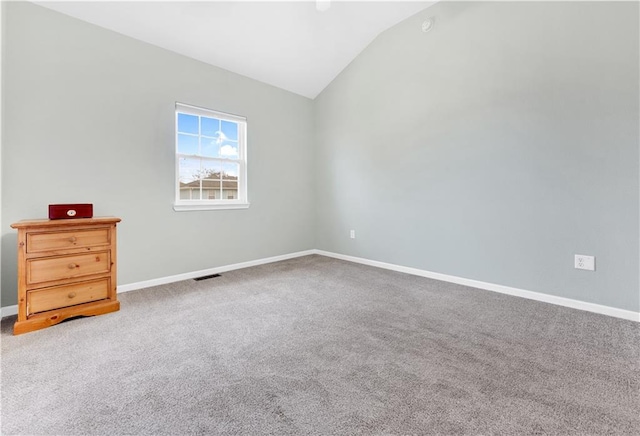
point(210, 171)
point(189, 169)
point(211, 180)
point(211, 189)
point(187, 193)
point(230, 130)
point(187, 144)
point(209, 147)
point(188, 172)
point(187, 123)
point(230, 171)
point(210, 193)
point(229, 150)
point(230, 189)
point(209, 126)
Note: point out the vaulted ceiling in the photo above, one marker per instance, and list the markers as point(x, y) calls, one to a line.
point(291, 45)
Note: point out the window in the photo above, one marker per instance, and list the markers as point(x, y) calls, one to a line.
point(211, 159)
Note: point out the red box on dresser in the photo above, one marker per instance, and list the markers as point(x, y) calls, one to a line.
point(69, 211)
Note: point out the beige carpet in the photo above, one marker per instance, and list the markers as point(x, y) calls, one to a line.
point(320, 346)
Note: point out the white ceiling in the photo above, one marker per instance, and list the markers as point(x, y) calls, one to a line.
point(290, 45)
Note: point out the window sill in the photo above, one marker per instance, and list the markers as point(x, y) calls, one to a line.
point(181, 207)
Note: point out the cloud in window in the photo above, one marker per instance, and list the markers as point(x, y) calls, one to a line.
point(228, 150)
point(221, 137)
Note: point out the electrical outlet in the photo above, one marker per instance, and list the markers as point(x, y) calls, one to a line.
point(352, 234)
point(585, 262)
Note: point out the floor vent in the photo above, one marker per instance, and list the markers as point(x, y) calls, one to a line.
point(197, 279)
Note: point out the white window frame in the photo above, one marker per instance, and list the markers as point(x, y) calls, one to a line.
point(241, 202)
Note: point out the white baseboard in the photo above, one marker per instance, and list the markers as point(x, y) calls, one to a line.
point(546, 298)
point(209, 271)
point(9, 310)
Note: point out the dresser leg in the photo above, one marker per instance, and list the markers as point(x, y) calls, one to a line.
point(53, 317)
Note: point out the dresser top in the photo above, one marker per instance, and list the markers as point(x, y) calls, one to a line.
point(65, 222)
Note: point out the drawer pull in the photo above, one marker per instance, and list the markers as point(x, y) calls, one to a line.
point(73, 239)
point(71, 294)
point(72, 266)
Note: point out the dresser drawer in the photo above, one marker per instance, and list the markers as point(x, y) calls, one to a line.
point(57, 297)
point(47, 241)
point(67, 267)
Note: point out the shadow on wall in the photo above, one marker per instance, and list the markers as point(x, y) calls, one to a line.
point(8, 295)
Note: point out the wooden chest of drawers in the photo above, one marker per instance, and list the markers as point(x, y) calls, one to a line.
point(66, 268)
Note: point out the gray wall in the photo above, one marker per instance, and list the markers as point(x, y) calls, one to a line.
point(89, 118)
point(494, 148)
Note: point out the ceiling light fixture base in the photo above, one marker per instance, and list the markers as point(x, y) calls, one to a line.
point(427, 24)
